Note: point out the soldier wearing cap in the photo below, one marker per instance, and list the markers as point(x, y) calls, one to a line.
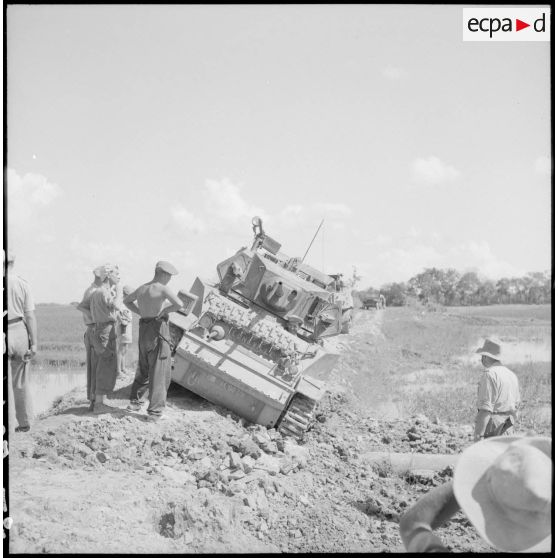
point(99, 274)
point(498, 394)
point(153, 302)
point(22, 342)
point(104, 308)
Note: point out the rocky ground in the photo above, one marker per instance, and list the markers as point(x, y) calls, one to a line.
point(204, 481)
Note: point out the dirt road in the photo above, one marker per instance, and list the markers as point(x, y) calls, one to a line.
point(202, 481)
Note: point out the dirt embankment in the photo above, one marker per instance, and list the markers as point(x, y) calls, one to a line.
point(203, 481)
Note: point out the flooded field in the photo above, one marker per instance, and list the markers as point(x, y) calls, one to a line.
point(47, 385)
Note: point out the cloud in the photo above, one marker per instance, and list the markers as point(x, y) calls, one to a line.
point(28, 197)
point(225, 206)
point(185, 221)
point(543, 165)
point(393, 73)
point(433, 171)
point(393, 262)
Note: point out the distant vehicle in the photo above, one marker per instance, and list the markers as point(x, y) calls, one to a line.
point(368, 303)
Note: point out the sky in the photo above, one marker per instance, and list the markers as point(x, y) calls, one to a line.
point(141, 133)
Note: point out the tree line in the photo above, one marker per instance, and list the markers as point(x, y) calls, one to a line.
point(450, 288)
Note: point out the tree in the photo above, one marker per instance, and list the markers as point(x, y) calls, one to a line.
point(467, 288)
point(487, 293)
point(503, 290)
point(394, 293)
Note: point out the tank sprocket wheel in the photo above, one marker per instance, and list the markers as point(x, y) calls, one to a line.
point(298, 417)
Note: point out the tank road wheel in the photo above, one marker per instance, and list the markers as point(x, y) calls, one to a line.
point(298, 416)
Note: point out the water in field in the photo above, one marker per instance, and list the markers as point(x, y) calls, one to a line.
point(516, 352)
point(47, 385)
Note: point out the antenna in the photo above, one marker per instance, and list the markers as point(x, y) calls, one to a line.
point(312, 241)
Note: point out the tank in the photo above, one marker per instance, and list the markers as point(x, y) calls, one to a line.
point(253, 341)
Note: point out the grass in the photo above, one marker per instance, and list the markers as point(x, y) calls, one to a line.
point(432, 375)
point(60, 330)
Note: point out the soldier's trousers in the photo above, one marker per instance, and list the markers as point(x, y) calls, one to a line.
point(500, 425)
point(154, 365)
point(103, 360)
point(18, 372)
point(91, 361)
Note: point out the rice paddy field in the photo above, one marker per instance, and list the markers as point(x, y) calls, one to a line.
point(425, 362)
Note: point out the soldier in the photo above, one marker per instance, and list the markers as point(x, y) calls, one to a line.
point(123, 332)
point(100, 275)
point(22, 342)
point(104, 309)
point(503, 486)
point(381, 302)
point(154, 367)
point(498, 395)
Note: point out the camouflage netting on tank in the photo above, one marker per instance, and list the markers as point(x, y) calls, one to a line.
point(247, 326)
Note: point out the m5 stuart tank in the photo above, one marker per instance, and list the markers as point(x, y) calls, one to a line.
point(253, 341)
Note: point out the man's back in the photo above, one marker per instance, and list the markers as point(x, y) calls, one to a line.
point(19, 297)
point(102, 305)
point(150, 299)
point(498, 390)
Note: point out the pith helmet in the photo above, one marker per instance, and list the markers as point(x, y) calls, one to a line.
point(167, 267)
point(490, 349)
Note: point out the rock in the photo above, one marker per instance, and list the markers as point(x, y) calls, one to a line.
point(168, 438)
point(267, 463)
point(248, 463)
point(293, 449)
point(421, 419)
point(261, 439)
point(235, 460)
point(386, 440)
point(271, 447)
point(286, 466)
point(179, 477)
point(412, 436)
point(101, 457)
point(250, 501)
point(196, 454)
point(421, 476)
point(238, 474)
point(224, 476)
point(304, 500)
point(205, 462)
point(245, 446)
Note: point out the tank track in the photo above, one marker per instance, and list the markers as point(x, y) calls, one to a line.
point(298, 417)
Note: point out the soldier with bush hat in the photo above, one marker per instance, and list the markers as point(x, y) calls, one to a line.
point(504, 487)
point(498, 394)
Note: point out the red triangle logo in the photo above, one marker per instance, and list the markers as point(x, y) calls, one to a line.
point(519, 25)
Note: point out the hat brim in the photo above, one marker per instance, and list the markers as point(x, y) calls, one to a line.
point(470, 486)
point(486, 353)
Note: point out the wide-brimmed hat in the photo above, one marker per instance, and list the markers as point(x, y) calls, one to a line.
point(504, 486)
point(491, 349)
